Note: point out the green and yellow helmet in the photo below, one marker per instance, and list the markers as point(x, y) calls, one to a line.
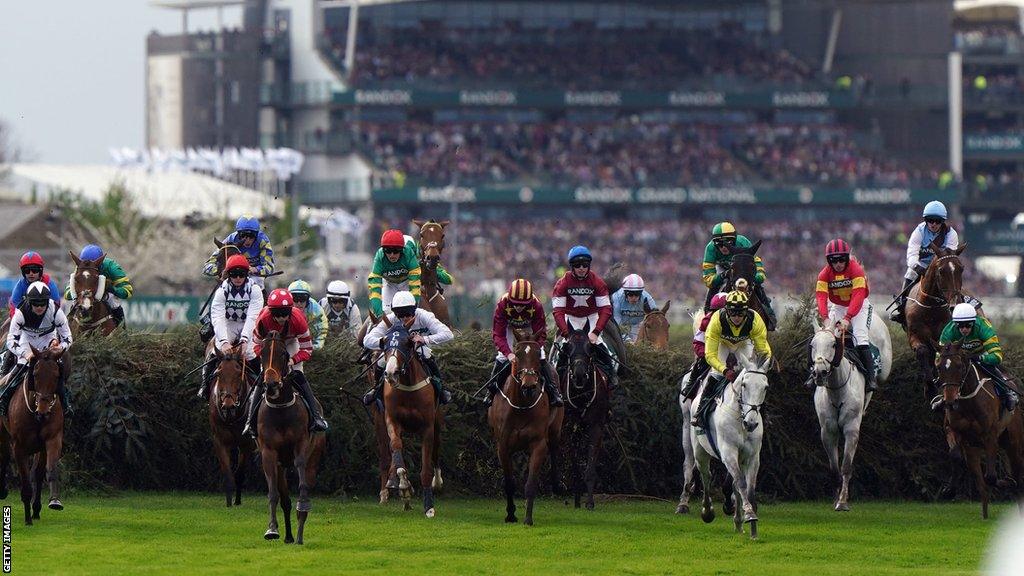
point(736, 301)
point(300, 287)
point(723, 232)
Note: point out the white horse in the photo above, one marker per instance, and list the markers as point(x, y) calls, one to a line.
point(840, 399)
point(736, 430)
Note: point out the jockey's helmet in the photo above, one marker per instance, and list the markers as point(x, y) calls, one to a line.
point(633, 283)
point(579, 254)
point(520, 291)
point(236, 262)
point(724, 233)
point(392, 239)
point(837, 251)
point(37, 294)
point(964, 312)
point(935, 209)
point(403, 304)
point(31, 259)
point(338, 289)
point(278, 301)
point(90, 252)
point(247, 224)
point(718, 300)
point(736, 301)
point(300, 287)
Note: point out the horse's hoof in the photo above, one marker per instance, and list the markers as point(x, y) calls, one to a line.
point(408, 506)
point(429, 513)
point(590, 506)
point(55, 504)
point(3, 493)
point(35, 515)
point(753, 530)
point(403, 481)
point(289, 540)
point(383, 496)
point(729, 506)
point(683, 509)
point(271, 534)
point(511, 519)
point(707, 515)
point(842, 507)
point(750, 517)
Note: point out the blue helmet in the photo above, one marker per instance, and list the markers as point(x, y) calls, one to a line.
point(935, 209)
point(579, 252)
point(91, 252)
point(246, 224)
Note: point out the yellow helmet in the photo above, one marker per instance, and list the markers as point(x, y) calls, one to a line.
point(520, 291)
point(736, 300)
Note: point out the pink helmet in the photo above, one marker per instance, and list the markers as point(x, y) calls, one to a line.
point(718, 301)
point(633, 282)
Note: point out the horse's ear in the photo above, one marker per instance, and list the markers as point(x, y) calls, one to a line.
point(647, 307)
point(753, 248)
point(444, 223)
point(75, 258)
point(418, 223)
point(960, 249)
point(218, 243)
point(35, 351)
point(765, 364)
point(665, 307)
point(934, 246)
point(815, 322)
point(99, 259)
point(586, 327)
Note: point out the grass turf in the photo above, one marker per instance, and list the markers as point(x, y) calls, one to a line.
point(169, 533)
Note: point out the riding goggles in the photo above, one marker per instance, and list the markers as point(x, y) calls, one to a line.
point(635, 293)
point(725, 241)
point(580, 263)
point(393, 250)
point(281, 312)
point(837, 258)
point(404, 311)
point(300, 298)
point(965, 324)
point(244, 235)
point(38, 302)
point(238, 273)
point(32, 269)
point(735, 310)
point(933, 220)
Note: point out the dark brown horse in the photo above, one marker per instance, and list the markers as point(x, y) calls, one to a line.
point(654, 327)
point(35, 426)
point(284, 439)
point(410, 405)
point(431, 246)
point(976, 424)
point(380, 428)
point(88, 287)
point(227, 418)
point(741, 276)
point(585, 390)
point(522, 420)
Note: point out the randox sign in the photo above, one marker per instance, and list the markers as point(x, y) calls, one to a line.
point(161, 310)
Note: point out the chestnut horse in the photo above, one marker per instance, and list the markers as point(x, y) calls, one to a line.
point(431, 243)
point(654, 327)
point(225, 250)
point(410, 405)
point(976, 425)
point(524, 421)
point(35, 426)
point(284, 439)
point(376, 410)
point(227, 418)
point(88, 287)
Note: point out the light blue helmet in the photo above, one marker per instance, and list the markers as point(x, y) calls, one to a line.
point(246, 224)
point(935, 209)
point(579, 252)
point(90, 252)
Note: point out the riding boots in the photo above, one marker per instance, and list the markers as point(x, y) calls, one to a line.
point(697, 371)
point(710, 391)
point(374, 392)
point(493, 386)
point(208, 372)
point(118, 315)
point(443, 396)
point(897, 314)
point(316, 420)
point(549, 377)
point(8, 362)
point(11, 385)
point(255, 399)
point(868, 361)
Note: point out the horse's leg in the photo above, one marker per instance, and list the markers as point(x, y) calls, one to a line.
point(25, 478)
point(286, 502)
point(555, 455)
point(596, 433)
point(537, 457)
point(224, 460)
point(242, 462)
point(304, 505)
point(5, 461)
point(830, 441)
point(509, 481)
point(703, 461)
point(398, 462)
point(728, 487)
point(731, 461)
point(574, 454)
point(53, 449)
point(851, 434)
point(38, 475)
point(752, 468)
point(427, 470)
point(269, 458)
point(437, 483)
point(383, 454)
point(973, 455)
point(925, 363)
point(991, 456)
point(688, 464)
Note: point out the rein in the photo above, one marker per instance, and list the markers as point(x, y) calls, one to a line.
point(739, 396)
point(942, 301)
point(30, 380)
point(243, 391)
point(517, 379)
point(274, 371)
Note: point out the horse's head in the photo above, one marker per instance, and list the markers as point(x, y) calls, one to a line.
point(952, 367)
point(826, 352)
point(431, 241)
point(526, 365)
point(224, 251)
point(744, 266)
point(654, 327)
point(229, 384)
point(274, 364)
point(87, 284)
point(752, 387)
point(578, 351)
point(398, 349)
point(44, 381)
point(944, 276)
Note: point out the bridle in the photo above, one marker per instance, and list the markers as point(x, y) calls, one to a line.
point(33, 405)
point(955, 294)
point(277, 378)
point(517, 378)
point(243, 387)
point(756, 408)
point(431, 253)
point(963, 379)
point(581, 358)
point(837, 359)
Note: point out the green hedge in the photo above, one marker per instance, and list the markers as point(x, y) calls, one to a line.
point(139, 425)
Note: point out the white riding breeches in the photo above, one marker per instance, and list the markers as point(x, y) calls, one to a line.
point(860, 325)
point(234, 331)
point(743, 350)
point(388, 291)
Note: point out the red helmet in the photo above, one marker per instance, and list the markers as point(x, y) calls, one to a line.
point(392, 239)
point(520, 291)
point(837, 247)
point(237, 261)
point(717, 301)
point(31, 259)
point(279, 298)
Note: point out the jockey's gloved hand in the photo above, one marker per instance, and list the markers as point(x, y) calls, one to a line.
point(844, 324)
point(730, 375)
point(920, 268)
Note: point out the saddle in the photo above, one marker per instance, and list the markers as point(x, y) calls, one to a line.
point(850, 352)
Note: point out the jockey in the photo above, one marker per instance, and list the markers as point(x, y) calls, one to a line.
point(700, 364)
point(718, 258)
point(31, 264)
point(581, 298)
point(396, 268)
point(919, 255)
point(842, 295)
point(315, 316)
point(978, 339)
point(343, 314)
point(426, 331)
point(735, 329)
point(41, 324)
point(254, 245)
point(233, 311)
point(520, 309)
point(118, 285)
point(280, 316)
point(629, 304)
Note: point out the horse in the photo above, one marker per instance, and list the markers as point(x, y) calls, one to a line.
point(410, 405)
point(89, 312)
point(284, 440)
point(976, 425)
point(35, 426)
point(840, 398)
point(585, 390)
point(225, 250)
point(227, 418)
point(734, 436)
point(654, 327)
point(431, 245)
point(741, 276)
point(524, 421)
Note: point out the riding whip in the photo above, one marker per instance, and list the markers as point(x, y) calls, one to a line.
point(493, 378)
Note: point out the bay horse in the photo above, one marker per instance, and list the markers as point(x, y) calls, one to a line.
point(227, 418)
point(741, 276)
point(654, 327)
point(976, 424)
point(522, 420)
point(431, 244)
point(376, 410)
point(587, 399)
point(410, 405)
point(35, 426)
point(284, 439)
point(89, 312)
point(225, 250)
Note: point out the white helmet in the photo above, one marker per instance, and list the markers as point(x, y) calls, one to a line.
point(964, 312)
point(633, 282)
point(338, 289)
point(403, 299)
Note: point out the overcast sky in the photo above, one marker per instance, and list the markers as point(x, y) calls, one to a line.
point(72, 73)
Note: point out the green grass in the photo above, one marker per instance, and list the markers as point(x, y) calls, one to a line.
point(185, 533)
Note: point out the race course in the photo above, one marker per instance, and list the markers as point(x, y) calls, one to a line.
point(176, 533)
